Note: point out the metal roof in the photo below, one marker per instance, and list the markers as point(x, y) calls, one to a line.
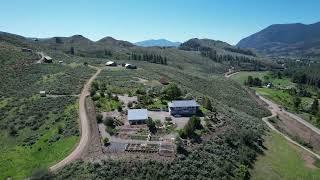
point(184, 103)
point(137, 114)
point(47, 57)
point(109, 62)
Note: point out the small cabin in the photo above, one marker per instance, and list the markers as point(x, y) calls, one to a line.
point(42, 93)
point(111, 63)
point(26, 50)
point(130, 66)
point(47, 59)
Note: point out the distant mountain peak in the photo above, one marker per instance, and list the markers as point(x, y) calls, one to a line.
point(157, 42)
point(294, 39)
point(112, 41)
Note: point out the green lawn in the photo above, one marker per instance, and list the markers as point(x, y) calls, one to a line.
point(265, 76)
point(241, 77)
point(19, 162)
point(157, 104)
point(106, 105)
point(278, 96)
point(281, 161)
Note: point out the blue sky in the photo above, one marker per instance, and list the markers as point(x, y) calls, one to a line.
point(135, 20)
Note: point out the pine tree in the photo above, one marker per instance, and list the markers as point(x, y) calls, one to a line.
point(72, 51)
point(315, 107)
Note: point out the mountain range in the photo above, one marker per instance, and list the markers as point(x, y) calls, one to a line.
point(157, 42)
point(286, 40)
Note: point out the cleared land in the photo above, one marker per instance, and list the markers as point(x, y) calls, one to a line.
point(284, 161)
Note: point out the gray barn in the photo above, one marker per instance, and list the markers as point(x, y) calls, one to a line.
point(183, 107)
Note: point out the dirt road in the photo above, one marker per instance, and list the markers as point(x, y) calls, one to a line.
point(275, 110)
point(85, 126)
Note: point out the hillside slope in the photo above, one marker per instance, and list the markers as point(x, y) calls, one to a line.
point(222, 52)
point(39, 131)
point(286, 40)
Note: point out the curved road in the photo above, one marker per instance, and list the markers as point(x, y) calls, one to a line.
point(84, 123)
point(275, 110)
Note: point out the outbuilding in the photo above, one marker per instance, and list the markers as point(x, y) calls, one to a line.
point(47, 59)
point(42, 93)
point(137, 116)
point(183, 107)
point(26, 50)
point(130, 66)
point(111, 63)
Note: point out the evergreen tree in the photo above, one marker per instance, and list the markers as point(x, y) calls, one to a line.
point(296, 102)
point(315, 107)
point(72, 51)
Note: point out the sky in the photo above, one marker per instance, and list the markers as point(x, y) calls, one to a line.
point(136, 20)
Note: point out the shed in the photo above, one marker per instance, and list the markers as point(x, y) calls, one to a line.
point(42, 93)
point(26, 50)
point(130, 66)
point(111, 63)
point(60, 62)
point(137, 116)
point(47, 59)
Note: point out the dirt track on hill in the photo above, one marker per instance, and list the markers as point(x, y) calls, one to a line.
point(275, 110)
point(85, 126)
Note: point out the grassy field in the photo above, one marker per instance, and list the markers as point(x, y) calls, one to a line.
point(241, 77)
point(265, 76)
point(282, 161)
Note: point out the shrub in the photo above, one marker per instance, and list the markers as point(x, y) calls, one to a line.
point(13, 131)
point(99, 118)
point(60, 129)
point(109, 121)
point(41, 173)
point(111, 130)
point(171, 92)
point(189, 129)
point(151, 125)
point(119, 109)
point(130, 104)
point(96, 97)
point(106, 141)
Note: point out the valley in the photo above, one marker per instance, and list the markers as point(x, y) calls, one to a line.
point(293, 128)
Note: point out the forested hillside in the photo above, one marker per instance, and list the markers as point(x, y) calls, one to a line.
point(218, 51)
point(296, 40)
